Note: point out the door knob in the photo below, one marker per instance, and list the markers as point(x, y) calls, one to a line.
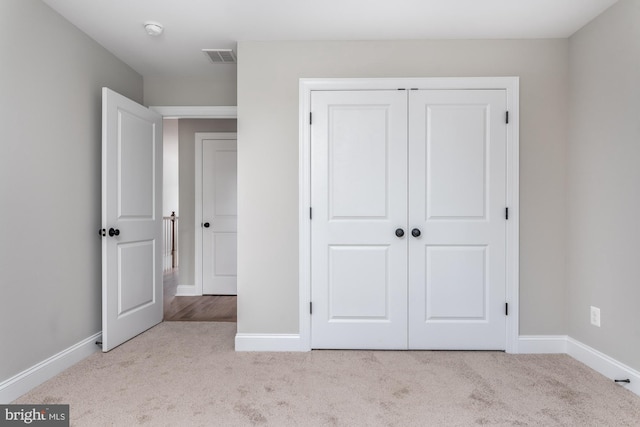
point(206, 225)
point(399, 232)
point(415, 232)
point(114, 232)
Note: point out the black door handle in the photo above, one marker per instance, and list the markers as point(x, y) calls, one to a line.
point(415, 232)
point(206, 225)
point(399, 232)
point(114, 232)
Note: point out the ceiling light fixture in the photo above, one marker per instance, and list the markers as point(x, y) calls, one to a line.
point(153, 28)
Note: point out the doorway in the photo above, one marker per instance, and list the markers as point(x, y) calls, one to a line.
point(182, 301)
point(216, 213)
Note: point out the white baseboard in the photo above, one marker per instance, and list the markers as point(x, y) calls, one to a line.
point(596, 360)
point(32, 377)
point(187, 291)
point(542, 344)
point(604, 364)
point(268, 342)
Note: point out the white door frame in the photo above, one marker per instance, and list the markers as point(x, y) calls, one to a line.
point(201, 136)
point(187, 112)
point(509, 84)
point(195, 112)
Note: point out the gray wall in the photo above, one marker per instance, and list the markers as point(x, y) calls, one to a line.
point(603, 183)
point(187, 129)
point(268, 76)
point(170, 167)
point(50, 117)
point(218, 88)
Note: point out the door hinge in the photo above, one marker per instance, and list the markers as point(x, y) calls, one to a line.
point(310, 307)
point(310, 118)
point(310, 213)
point(507, 118)
point(506, 213)
point(506, 308)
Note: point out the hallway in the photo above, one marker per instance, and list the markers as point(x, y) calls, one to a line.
point(206, 308)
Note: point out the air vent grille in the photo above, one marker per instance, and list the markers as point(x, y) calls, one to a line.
point(220, 56)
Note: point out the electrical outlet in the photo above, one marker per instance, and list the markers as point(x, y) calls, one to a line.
point(595, 316)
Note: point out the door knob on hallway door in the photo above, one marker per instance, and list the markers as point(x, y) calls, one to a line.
point(114, 232)
point(206, 225)
point(415, 232)
point(399, 232)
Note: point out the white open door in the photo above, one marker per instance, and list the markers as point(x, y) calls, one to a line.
point(131, 219)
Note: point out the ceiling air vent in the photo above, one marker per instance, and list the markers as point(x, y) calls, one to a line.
point(220, 56)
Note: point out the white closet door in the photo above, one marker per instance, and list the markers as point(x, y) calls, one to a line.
point(457, 186)
point(359, 200)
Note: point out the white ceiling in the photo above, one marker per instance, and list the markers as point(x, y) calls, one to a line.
point(191, 25)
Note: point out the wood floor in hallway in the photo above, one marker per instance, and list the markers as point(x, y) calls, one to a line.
point(206, 308)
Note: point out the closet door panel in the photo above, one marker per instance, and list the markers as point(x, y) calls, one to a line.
point(457, 173)
point(359, 199)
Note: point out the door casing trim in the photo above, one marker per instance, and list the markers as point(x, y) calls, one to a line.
point(196, 112)
point(512, 87)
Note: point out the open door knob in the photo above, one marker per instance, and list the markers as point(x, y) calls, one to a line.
point(114, 232)
point(399, 232)
point(415, 232)
point(206, 225)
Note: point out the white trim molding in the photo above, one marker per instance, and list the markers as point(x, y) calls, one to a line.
point(32, 377)
point(187, 291)
point(511, 87)
point(606, 365)
point(596, 360)
point(192, 112)
point(268, 342)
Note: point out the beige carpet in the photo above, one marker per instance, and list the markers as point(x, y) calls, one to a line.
point(187, 374)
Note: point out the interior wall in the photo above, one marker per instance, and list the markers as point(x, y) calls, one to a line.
point(50, 181)
point(268, 78)
point(170, 167)
point(603, 177)
point(217, 88)
point(187, 129)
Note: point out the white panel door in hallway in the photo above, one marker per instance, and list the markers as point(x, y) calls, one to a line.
point(131, 219)
point(407, 236)
point(219, 213)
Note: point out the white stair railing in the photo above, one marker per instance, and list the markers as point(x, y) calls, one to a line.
point(170, 242)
